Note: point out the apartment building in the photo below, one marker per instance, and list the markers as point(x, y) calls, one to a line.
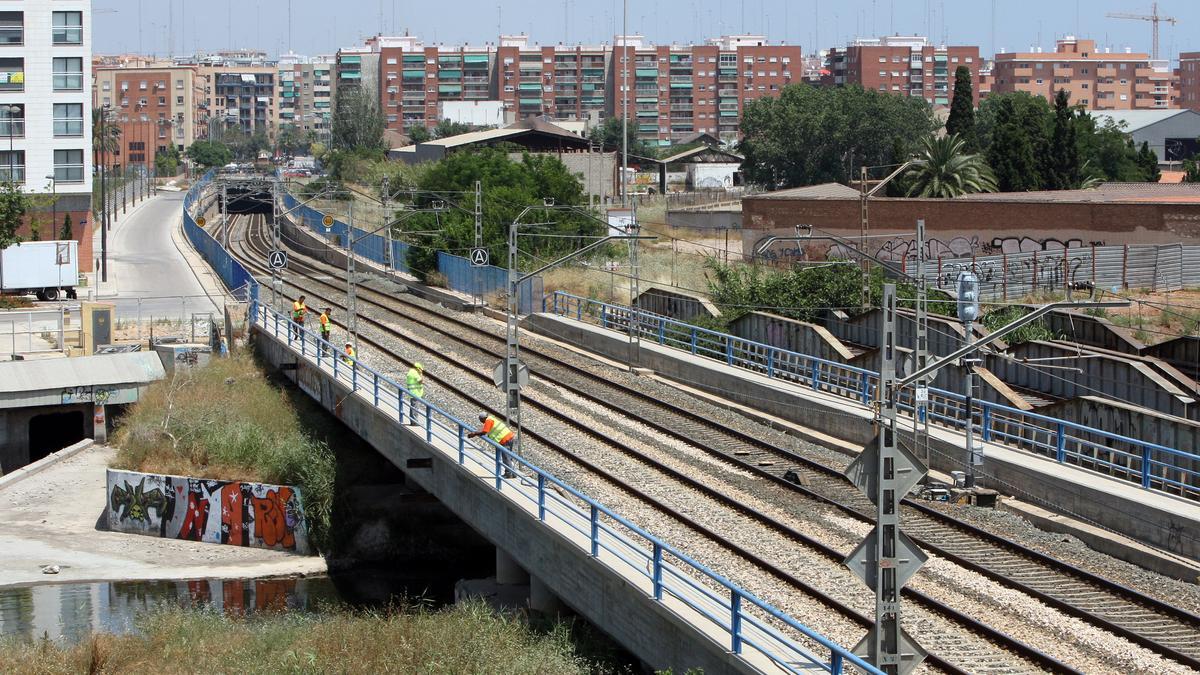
point(306, 92)
point(563, 82)
point(1189, 80)
point(1099, 79)
point(45, 66)
point(676, 91)
point(415, 79)
point(155, 107)
point(905, 65)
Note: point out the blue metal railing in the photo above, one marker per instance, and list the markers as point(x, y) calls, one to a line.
point(1153, 466)
point(235, 277)
point(748, 621)
point(751, 625)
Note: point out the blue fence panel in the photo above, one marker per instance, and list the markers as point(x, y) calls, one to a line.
point(1151, 465)
point(235, 277)
point(487, 280)
point(400, 257)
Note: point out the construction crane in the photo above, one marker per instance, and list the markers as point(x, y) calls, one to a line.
point(1154, 18)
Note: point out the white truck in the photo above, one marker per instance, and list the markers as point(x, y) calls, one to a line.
point(47, 269)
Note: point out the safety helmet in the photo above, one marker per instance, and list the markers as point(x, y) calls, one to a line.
point(349, 344)
point(483, 417)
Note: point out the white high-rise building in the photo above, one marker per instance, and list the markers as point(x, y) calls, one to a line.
point(45, 106)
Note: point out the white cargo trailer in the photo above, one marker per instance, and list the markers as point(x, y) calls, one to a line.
point(47, 269)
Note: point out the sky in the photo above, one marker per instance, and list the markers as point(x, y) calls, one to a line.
point(164, 27)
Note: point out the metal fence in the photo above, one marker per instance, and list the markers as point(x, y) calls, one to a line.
point(1153, 466)
point(1165, 267)
point(460, 275)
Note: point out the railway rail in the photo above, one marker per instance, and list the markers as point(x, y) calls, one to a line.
point(1114, 608)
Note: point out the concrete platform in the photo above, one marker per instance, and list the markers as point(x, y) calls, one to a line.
point(1161, 521)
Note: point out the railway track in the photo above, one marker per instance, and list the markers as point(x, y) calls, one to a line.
point(1117, 610)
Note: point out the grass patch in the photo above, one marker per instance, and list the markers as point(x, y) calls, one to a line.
point(228, 421)
point(15, 302)
point(466, 638)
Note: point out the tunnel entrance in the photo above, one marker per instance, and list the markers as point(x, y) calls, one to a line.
point(246, 195)
point(53, 432)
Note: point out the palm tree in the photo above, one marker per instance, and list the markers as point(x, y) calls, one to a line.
point(946, 170)
point(110, 137)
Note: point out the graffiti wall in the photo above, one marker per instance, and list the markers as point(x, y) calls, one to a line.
point(219, 512)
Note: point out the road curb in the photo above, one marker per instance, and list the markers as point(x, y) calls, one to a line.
point(14, 477)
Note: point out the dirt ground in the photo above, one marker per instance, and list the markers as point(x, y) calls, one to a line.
point(1158, 317)
point(50, 518)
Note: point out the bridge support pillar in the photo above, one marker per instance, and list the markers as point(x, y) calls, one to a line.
point(508, 572)
point(99, 424)
point(542, 599)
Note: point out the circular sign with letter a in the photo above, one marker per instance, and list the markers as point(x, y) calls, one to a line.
point(479, 257)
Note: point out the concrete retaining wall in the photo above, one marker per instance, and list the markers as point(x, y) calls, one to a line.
point(603, 597)
point(214, 511)
point(1154, 519)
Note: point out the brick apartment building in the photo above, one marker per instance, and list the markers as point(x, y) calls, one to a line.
point(674, 90)
point(306, 93)
point(1098, 79)
point(905, 65)
point(154, 106)
point(1189, 80)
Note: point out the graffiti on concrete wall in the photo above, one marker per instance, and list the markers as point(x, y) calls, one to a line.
point(1051, 272)
point(905, 248)
point(221, 512)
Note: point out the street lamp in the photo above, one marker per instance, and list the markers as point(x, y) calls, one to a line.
point(12, 111)
point(53, 206)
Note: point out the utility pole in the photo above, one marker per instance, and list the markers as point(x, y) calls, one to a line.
point(103, 192)
point(225, 214)
point(475, 270)
point(921, 395)
point(887, 558)
point(351, 295)
point(276, 275)
point(625, 104)
point(864, 264)
point(635, 326)
point(387, 216)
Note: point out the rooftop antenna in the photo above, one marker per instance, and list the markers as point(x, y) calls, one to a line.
point(1153, 17)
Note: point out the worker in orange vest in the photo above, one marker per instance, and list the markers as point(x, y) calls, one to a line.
point(350, 354)
point(298, 312)
point(326, 325)
point(495, 429)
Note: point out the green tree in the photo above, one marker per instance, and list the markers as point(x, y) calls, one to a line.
point(106, 135)
point(508, 187)
point(1191, 171)
point(66, 232)
point(822, 134)
point(292, 140)
point(14, 204)
point(1062, 162)
point(166, 161)
point(1149, 163)
point(357, 122)
point(1108, 154)
point(417, 133)
point(209, 154)
point(448, 128)
point(608, 134)
point(949, 170)
point(1014, 136)
point(961, 121)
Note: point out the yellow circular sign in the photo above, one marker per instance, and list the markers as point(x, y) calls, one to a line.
point(327, 221)
point(201, 221)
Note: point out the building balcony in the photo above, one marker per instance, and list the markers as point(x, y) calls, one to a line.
point(1022, 72)
point(1064, 72)
point(1106, 72)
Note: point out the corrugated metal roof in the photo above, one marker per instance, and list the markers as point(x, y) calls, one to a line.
point(700, 151)
point(1139, 119)
point(822, 191)
point(1104, 193)
point(83, 371)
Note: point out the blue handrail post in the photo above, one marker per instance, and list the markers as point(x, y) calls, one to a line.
point(771, 363)
point(835, 663)
point(541, 496)
point(987, 423)
point(693, 340)
point(729, 351)
point(1145, 466)
point(428, 425)
point(595, 531)
point(400, 404)
point(815, 374)
point(662, 330)
point(376, 386)
point(335, 368)
point(735, 620)
point(353, 375)
point(657, 572)
point(303, 343)
point(865, 389)
point(1060, 442)
point(462, 443)
point(499, 472)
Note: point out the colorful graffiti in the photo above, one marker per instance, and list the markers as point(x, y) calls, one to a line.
point(221, 512)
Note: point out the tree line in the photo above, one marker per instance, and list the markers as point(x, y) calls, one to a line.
point(1011, 143)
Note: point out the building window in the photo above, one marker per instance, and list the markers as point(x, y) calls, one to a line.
point(68, 28)
point(12, 74)
point(68, 73)
point(12, 121)
point(68, 119)
point(12, 166)
point(12, 28)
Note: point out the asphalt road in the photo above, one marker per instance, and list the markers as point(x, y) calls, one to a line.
point(149, 269)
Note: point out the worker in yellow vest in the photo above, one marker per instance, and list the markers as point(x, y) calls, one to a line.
point(498, 432)
point(350, 355)
point(326, 326)
point(415, 381)
point(298, 312)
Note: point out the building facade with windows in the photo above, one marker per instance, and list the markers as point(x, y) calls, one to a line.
point(1097, 79)
point(906, 66)
point(45, 69)
point(306, 93)
point(1189, 80)
point(155, 107)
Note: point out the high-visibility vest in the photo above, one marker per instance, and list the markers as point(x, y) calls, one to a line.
point(350, 354)
point(324, 318)
point(298, 310)
point(497, 430)
point(416, 382)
